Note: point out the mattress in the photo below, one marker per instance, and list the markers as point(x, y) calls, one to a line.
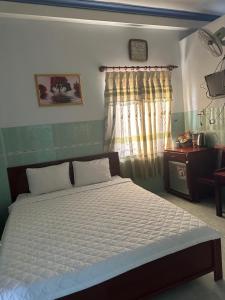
point(63, 242)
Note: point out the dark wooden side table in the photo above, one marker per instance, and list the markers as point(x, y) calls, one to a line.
point(219, 183)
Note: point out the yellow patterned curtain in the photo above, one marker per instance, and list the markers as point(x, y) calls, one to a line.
point(138, 119)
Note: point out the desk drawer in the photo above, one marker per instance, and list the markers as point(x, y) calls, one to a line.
point(181, 157)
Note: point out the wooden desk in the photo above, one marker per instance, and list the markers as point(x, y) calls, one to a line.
point(219, 183)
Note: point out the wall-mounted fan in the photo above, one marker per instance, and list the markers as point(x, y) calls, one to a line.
point(214, 42)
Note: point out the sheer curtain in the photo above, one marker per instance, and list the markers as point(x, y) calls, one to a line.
point(138, 119)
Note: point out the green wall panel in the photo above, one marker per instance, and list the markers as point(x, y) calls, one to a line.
point(215, 133)
point(177, 123)
point(69, 134)
point(29, 157)
point(191, 120)
point(28, 138)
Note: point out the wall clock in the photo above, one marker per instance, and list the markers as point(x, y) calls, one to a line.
point(138, 50)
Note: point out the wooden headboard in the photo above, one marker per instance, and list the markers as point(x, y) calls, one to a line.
point(18, 179)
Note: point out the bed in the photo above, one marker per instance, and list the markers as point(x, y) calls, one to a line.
point(123, 242)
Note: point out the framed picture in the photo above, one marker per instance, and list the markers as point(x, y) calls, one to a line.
point(58, 89)
point(138, 50)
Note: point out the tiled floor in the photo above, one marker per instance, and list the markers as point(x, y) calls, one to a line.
point(204, 287)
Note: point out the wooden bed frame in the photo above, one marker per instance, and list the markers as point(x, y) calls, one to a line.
point(150, 278)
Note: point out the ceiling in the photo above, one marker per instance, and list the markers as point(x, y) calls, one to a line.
point(202, 10)
point(204, 6)
point(181, 15)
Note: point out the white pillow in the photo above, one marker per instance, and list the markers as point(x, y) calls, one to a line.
point(89, 172)
point(48, 179)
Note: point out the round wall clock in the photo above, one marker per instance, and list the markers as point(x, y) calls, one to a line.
point(138, 50)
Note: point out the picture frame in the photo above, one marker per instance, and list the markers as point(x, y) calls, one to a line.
point(138, 50)
point(58, 89)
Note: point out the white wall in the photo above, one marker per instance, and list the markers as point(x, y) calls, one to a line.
point(33, 46)
point(197, 62)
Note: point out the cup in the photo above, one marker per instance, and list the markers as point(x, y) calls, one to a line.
point(194, 140)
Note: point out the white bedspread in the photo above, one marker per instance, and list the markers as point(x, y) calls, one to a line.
point(63, 242)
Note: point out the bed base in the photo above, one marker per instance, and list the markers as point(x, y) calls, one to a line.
point(146, 280)
point(158, 275)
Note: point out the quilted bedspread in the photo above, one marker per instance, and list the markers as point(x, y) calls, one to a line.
point(63, 242)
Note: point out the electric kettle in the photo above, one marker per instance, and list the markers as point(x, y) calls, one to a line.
point(201, 139)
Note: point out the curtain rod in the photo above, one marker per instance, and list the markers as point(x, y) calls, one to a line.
point(105, 68)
